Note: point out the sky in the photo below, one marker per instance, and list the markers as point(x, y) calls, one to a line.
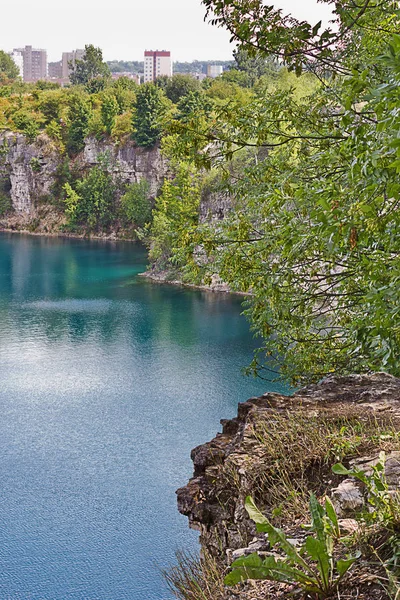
point(125, 28)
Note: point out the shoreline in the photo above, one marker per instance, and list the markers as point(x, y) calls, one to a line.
point(161, 278)
point(112, 237)
point(217, 288)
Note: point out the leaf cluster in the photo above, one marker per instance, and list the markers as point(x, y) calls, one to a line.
point(312, 567)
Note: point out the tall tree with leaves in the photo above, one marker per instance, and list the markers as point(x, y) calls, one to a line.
point(314, 230)
point(151, 105)
point(80, 113)
point(254, 66)
point(91, 71)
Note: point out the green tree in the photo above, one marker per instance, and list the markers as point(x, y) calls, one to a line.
point(175, 218)
point(8, 69)
point(91, 71)
point(80, 113)
point(314, 229)
point(136, 205)
point(178, 86)
point(90, 203)
point(109, 111)
point(151, 106)
point(254, 66)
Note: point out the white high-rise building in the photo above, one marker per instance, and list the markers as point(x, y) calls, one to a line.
point(214, 71)
point(156, 64)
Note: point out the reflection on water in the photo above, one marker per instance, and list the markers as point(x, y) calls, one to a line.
point(107, 382)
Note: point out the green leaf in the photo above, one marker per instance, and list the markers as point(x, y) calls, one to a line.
point(332, 516)
point(252, 560)
point(235, 577)
point(340, 469)
point(275, 535)
point(254, 513)
point(317, 551)
point(317, 523)
point(343, 565)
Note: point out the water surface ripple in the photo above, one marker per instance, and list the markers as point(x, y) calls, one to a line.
point(106, 383)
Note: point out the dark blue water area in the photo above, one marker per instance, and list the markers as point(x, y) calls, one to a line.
point(106, 383)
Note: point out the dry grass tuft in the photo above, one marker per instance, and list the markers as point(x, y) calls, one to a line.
point(194, 578)
point(295, 452)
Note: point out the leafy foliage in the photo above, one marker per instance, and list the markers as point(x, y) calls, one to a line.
point(178, 86)
point(313, 230)
point(91, 70)
point(251, 68)
point(90, 203)
point(26, 123)
point(151, 106)
point(384, 505)
point(135, 203)
point(175, 218)
point(313, 567)
point(8, 69)
point(79, 116)
point(109, 112)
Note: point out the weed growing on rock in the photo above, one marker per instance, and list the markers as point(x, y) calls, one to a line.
point(313, 567)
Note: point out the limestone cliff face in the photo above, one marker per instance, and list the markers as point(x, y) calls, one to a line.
point(28, 170)
point(213, 500)
point(128, 163)
point(214, 206)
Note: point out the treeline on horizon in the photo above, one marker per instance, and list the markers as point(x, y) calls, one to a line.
point(194, 66)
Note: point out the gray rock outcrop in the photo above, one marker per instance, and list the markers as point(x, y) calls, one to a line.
point(213, 500)
point(28, 169)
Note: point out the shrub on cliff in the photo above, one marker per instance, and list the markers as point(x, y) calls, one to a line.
point(27, 123)
point(136, 205)
point(90, 203)
point(79, 116)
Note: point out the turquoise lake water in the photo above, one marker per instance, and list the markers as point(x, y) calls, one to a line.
point(106, 383)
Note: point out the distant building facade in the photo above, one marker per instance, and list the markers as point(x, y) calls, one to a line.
point(54, 70)
point(34, 63)
point(214, 71)
point(156, 64)
point(18, 58)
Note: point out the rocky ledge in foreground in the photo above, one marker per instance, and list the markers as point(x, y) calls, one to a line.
point(279, 449)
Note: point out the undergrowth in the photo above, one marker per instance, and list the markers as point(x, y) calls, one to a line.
point(295, 452)
point(194, 578)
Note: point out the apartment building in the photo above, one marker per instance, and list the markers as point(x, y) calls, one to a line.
point(156, 64)
point(34, 63)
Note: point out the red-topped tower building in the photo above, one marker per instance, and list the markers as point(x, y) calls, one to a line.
point(157, 63)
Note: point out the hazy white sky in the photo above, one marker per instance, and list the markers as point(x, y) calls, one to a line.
point(125, 28)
